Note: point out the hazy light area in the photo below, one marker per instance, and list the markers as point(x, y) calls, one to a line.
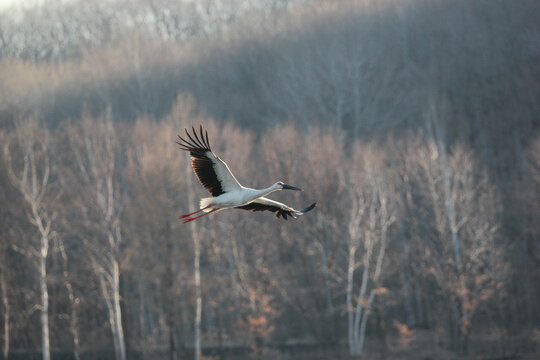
point(19, 4)
point(4, 4)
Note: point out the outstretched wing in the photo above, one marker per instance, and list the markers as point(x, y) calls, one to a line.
point(213, 173)
point(281, 210)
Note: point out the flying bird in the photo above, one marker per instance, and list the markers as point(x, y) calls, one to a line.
point(226, 191)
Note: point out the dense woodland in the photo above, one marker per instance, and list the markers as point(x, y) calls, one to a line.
point(413, 124)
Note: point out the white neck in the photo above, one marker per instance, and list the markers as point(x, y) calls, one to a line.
point(266, 191)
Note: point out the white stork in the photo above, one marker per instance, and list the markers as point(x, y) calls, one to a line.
point(215, 176)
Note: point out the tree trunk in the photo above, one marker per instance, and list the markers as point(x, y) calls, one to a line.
point(197, 272)
point(5, 305)
point(44, 299)
point(362, 334)
point(350, 311)
point(110, 288)
point(198, 296)
point(120, 347)
point(73, 323)
point(168, 292)
point(359, 307)
point(74, 302)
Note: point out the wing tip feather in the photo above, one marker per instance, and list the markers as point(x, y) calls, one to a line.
point(309, 208)
point(195, 141)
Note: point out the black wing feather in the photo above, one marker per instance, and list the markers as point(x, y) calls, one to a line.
point(200, 162)
point(280, 212)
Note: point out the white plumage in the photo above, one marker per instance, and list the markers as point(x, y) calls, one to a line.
point(226, 191)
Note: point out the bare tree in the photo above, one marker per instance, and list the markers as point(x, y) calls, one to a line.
point(324, 171)
point(187, 107)
point(152, 171)
point(373, 211)
point(463, 219)
point(95, 146)
point(30, 174)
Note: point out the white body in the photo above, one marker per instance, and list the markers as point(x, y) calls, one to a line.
point(237, 197)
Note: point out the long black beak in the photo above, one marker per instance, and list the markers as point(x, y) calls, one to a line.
point(289, 187)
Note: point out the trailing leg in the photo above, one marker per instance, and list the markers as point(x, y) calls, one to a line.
point(196, 217)
point(192, 213)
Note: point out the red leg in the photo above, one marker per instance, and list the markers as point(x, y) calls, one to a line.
point(196, 217)
point(186, 215)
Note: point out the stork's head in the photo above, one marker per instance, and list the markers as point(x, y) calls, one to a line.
point(281, 186)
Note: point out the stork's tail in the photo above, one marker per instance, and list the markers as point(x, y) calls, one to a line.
point(303, 211)
point(205, 204)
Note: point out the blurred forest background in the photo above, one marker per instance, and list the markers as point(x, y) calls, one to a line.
point(413, 123)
